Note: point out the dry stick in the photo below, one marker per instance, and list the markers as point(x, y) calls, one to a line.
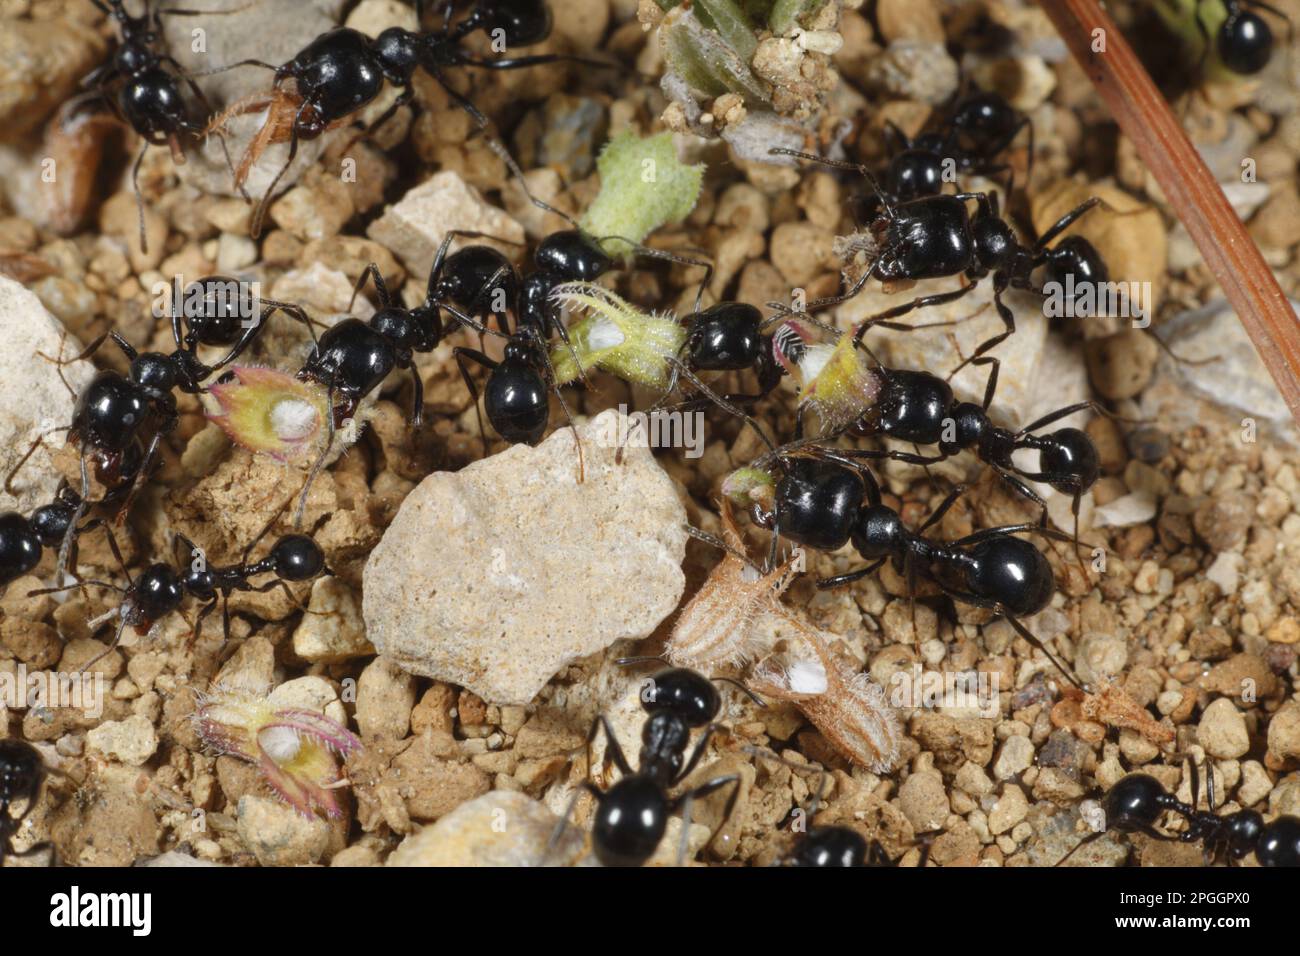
point(1199, 203)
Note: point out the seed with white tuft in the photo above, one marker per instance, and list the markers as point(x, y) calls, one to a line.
point(281, 744)
point(293, 419)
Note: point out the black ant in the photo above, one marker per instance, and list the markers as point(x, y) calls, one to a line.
point(980, 127)
point(936, 237)
point(343, 70)
point(22, 772)
point(23, 538)
point(160, 588)
point(818, 503)
point(829, 846)
point(149, 97)
point(632, 815)
point(920, 408)
point(1136, 803)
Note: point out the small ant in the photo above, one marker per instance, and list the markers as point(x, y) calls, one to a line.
point(632, 815)
point(830, 846)
point(342, 71)
point(149, 97)
point(22, 772)
point(818, 503)
point(23, 538)
point(920, 408)
point(160, 588)
point(980, 127)
point(936, 237)
point(1136, 802)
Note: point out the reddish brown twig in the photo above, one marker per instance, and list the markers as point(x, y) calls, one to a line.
point(1194, 193)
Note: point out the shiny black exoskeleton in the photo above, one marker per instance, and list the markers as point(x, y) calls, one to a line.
point(814, 505)
point(22, 772)
point(22, 539)
point(1136, 803)
point(1244, 40)
point(342, 71)
point(729, 337)
point(632, 815)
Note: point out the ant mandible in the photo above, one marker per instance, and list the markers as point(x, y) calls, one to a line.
point(22, 772)
point(1136, 803)
point(632, 815)
point(818, 503)
point(343, 70)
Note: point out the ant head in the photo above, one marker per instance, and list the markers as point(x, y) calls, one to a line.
point(396, 325)
point(51, 522)
point(725, 337)
point(521, 22)
point(20, 547)
point(689, 696)
point(817, 503)
point(984, 112)
point(1279, 843)
point(915, 172)
point(1135, 803)
point(1244, 42)
point(156, 593)
point(21, 770)
point(830, 847)
point(1070, 452)
point(879, 532)
point(154, 372)
point(574, 255)
point(970, 421)
point(1074, 262)
point(994, 241)
point(297, 558)
point(399, 52)
point(1243, 829)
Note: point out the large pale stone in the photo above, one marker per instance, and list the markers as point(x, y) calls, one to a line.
point(497, 576)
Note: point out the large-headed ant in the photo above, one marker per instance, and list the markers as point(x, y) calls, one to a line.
point(919, 408)
point(818, 502)
point(936, 237)
point(21, 774)
point(344, 70)
point(160, 588)
point(1136, 803)
point(632, 815)
point(148, 97)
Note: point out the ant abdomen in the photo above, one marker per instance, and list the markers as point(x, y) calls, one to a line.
point(829, 847)
point(296, 557)
point(630, 821)
point(20, 547)
point(1011, 571)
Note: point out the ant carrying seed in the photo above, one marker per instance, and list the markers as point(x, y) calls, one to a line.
point(342, 71)
point(937, 237)
point(160, 588)
point(148, 96)
point(632, 815)
point(919, 408)
point(1136, 803)
point(22, 772)
point(818, 502)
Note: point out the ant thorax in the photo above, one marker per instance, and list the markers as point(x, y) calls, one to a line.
point(835, 381)
point(614, 336)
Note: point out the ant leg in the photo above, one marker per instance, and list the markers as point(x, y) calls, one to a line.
point(204, 611)
point(990, 386)
point(827, 584)
point(417, 398)
point(1066, 412)
point(703, 790)
point(1001, 281)
point(319, 463)
point(696, 754)
point(371, 273)
point(937, 514)
point(564, 406)
point(722, 403)
point(1028, 635)
point(536, 59)
point(251, 332)
point(612, 749)
point(463, 355)
point(840, 164)
point(13, 472)
point(1067, 220)
point(117, 639)
point(402, 99)
point(900, 310)
point(65, 546)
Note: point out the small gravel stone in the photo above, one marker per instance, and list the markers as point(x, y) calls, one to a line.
point(924, 800)
point(1011, 808)
point(132, 741)
point(1222, 731)
point(500, 828)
